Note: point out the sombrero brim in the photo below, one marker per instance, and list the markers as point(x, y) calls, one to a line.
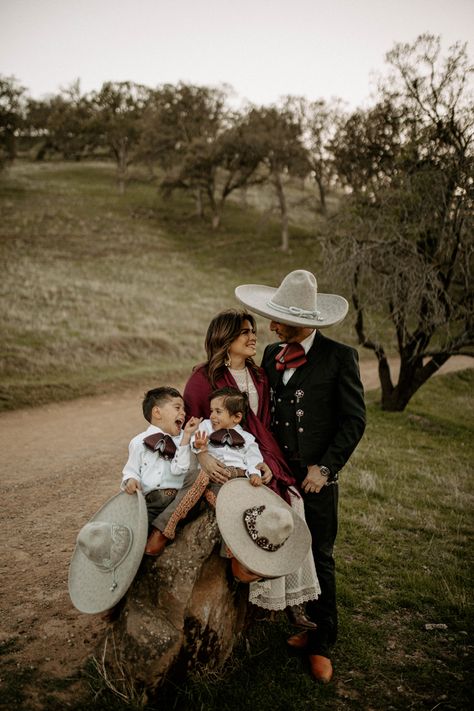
point(235, 497)
point(89, 587)
point(332, 307)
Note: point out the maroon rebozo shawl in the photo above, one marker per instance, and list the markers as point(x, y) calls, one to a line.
point(196, 400)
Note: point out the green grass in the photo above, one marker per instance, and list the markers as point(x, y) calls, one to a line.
point(403, 555)
point(403, 562)
point(100, 290)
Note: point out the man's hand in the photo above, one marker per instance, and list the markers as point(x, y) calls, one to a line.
point(132, 486)
point(216, 470)
point(314, 480)
point(267, 474)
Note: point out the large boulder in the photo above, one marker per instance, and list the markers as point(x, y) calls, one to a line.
point(182, 610)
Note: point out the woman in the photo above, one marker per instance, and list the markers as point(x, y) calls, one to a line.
point(231, 346)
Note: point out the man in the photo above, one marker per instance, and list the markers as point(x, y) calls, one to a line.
point(318, 419)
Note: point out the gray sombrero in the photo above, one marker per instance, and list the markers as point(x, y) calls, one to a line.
point(263, 532)
point(296, 302)
point(108, 552)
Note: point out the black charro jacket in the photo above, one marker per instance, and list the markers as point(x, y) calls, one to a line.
point(319, 415)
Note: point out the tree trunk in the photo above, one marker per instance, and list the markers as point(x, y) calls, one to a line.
point(216, 209)
point(322, 197)
point(285, 242)
point(122, 165)
point(413, 374)
point(199, 205)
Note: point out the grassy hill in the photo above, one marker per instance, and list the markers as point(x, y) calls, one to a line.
point(100, 290)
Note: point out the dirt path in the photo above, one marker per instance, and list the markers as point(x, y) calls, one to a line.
point(59, 464)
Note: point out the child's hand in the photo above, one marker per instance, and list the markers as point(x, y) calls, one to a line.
point(255, 480)
point(200, 441)
point(132, 486)
point(192, 424)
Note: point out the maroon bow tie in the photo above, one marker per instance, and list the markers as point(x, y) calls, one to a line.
point(231, 438)
point(161, 443)
point(291, 356)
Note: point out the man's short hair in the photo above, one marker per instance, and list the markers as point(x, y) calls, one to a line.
point(157, 396)
point(235, 401)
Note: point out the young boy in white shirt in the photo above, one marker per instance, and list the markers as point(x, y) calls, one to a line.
point(160, 462)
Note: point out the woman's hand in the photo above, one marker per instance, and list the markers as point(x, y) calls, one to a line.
point(267, 474)
point(213, 467)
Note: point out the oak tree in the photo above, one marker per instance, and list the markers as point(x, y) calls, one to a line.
point(404, 241)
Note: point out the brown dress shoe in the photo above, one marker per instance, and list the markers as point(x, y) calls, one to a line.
point(156, 543)
point(298, 641)
point(321, 668)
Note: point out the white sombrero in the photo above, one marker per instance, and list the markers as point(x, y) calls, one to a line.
point(108, 552)
point(261, 529)
point(296, 302)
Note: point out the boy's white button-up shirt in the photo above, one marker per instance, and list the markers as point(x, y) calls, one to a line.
point(152, 470)
point(246, 457)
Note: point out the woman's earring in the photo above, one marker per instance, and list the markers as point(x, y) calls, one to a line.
point(227, 361)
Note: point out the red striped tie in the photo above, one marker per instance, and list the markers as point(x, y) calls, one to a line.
point(291, 356)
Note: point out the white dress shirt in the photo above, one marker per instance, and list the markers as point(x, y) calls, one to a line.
point(246, 457)
point(152, 470)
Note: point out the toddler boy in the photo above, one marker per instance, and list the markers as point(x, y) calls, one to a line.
point(223, 437)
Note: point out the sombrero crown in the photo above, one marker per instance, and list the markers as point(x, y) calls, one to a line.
point(108, 553)
point(296, 302)
point(263, 532)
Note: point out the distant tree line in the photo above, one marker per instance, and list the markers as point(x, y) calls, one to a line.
point(402, 237)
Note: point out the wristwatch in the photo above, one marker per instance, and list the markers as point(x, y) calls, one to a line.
point(325, 471)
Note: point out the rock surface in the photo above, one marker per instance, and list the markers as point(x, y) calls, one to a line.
point(181, 612)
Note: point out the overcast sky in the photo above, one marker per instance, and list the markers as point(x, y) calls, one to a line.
point(263, 48)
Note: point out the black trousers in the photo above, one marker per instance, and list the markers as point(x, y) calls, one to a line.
point(321, 517)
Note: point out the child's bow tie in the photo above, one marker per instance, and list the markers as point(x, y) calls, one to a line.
point(231, 438)
point(161, 443)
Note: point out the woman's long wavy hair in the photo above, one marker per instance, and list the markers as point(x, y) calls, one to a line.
point(222, 332)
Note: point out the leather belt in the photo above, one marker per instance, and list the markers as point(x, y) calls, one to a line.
point(235, 472)
point(166, 492)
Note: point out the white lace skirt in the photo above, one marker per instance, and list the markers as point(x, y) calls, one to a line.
point(294, 589)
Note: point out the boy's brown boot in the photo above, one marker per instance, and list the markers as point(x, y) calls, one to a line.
point(298, 641)
point(156, 543)
point(241, 574)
